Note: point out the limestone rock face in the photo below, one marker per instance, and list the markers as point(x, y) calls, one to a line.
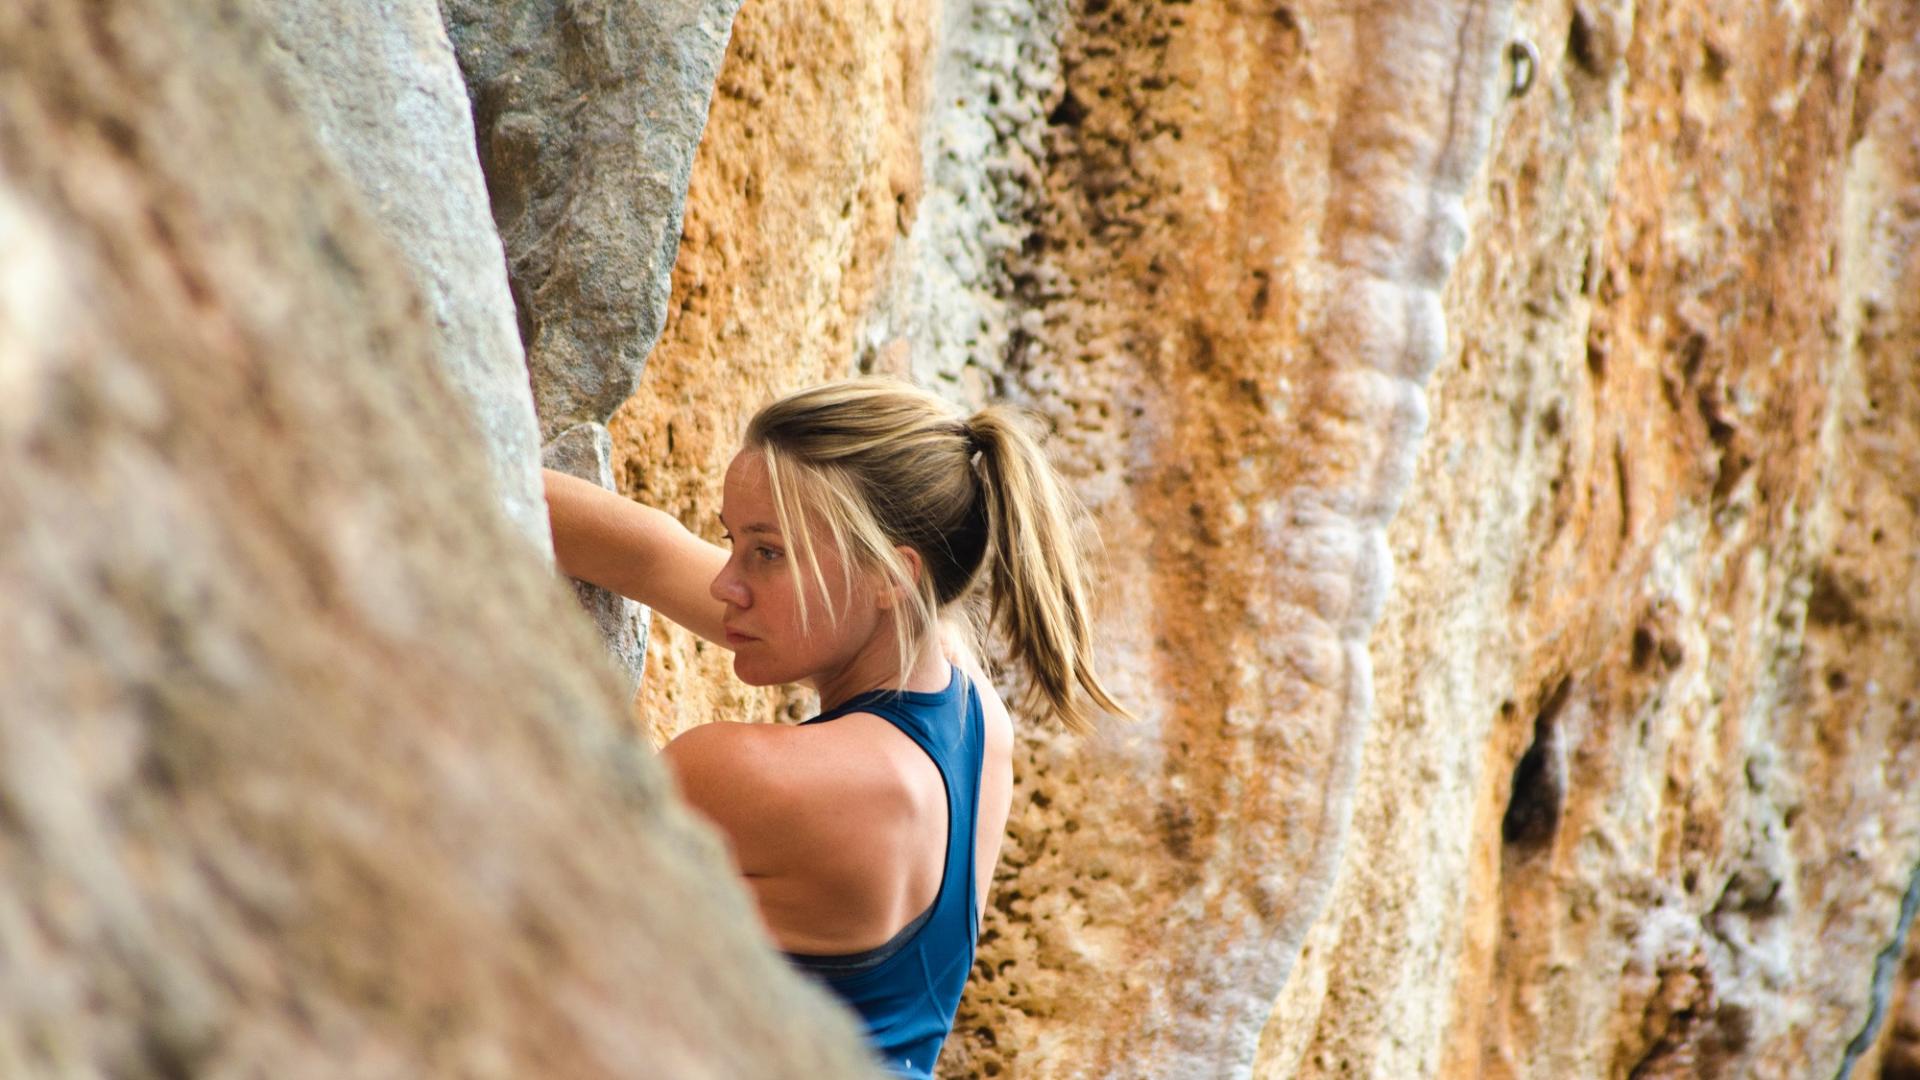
point(1622, 782)
point(307, 765)
point(1234, 346)
point(1645, 790)
point(1501, 422)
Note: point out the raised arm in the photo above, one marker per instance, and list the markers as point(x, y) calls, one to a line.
point(611, 541)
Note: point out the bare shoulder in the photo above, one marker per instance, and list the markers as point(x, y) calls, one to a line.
point(770, 765)
point(780, 792)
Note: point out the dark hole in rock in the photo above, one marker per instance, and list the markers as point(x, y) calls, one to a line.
point(1830, 602)
point(1642, 648)
point(1069, 113)
point(1580, 43)
point(1539, 780)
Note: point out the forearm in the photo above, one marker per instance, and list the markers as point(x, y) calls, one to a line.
point(611, 541)
point(593, 528)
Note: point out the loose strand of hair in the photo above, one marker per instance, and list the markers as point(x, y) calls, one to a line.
point(791, 515)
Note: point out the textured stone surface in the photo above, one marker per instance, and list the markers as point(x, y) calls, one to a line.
point(586, 451)
point(1624, 783)
point(1234, 303)
point(1643, 792)
point(1642, 740)
point(588, 112)
point(951, 298)
point(306, 769)
point(376, 83)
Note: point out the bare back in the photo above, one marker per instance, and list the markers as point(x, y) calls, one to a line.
point(888, 806)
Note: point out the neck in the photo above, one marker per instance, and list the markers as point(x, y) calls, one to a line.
point(875, 668)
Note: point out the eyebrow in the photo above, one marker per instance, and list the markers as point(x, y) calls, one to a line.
point(748, 529)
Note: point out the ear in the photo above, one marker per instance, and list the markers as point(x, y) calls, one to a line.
point(889, 595)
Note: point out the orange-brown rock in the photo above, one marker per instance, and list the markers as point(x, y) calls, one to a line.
point(1645, 791)
point(1642, 733)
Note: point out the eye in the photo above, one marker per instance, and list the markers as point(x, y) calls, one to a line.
point(768, 554)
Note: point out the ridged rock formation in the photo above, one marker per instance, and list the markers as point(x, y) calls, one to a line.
point(1609, 788)
point(1645, 793)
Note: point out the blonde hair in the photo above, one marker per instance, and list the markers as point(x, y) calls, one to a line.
point(874, 462)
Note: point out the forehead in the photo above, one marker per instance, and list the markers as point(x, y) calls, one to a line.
point(746, 480)
point(746, 497)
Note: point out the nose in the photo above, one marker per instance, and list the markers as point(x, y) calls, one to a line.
point(729, 589)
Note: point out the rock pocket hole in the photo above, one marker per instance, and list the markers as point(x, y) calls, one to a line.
point(1539, 780)
point(1580, 43)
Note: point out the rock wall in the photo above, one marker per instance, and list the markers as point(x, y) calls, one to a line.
point(1640, 742)
point(1657, 818)
point(377, 86)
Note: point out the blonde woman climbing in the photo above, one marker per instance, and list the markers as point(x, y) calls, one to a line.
point(863, 516)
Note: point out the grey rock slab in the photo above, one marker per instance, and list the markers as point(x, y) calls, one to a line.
point(586, 451)
point(588, 113)
point(377, 82)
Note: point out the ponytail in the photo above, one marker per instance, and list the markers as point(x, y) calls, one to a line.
point(1037, 576)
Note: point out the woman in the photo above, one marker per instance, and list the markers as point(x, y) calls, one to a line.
point(863, 516)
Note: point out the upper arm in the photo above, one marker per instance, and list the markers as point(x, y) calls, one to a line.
point(607, 539)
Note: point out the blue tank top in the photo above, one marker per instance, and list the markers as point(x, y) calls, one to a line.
point(908, 989)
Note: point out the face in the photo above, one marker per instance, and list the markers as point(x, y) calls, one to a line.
point(763, 607)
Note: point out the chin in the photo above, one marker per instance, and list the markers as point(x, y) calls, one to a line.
point(747, 672)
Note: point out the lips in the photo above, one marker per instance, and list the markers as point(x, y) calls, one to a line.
point(735, 637)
